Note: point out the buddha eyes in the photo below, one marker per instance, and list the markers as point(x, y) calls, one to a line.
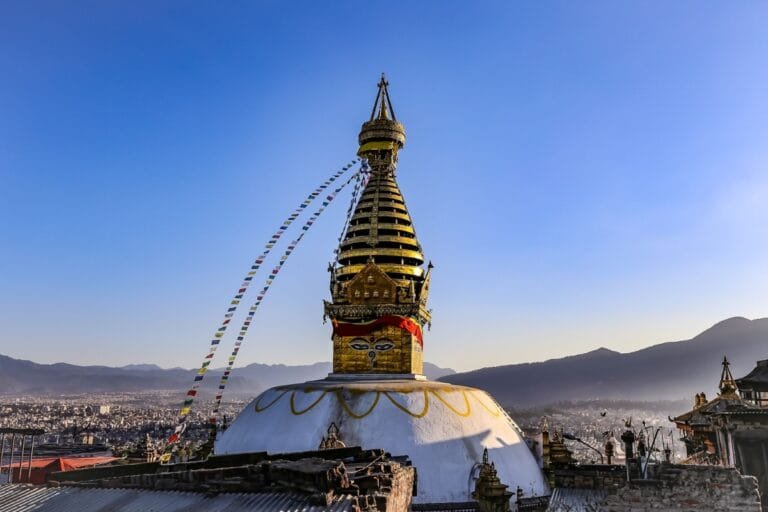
point(380, 345)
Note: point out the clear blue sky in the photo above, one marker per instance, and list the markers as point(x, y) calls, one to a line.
point(582, 174)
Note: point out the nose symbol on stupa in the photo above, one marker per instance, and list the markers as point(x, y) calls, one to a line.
point(373, 346)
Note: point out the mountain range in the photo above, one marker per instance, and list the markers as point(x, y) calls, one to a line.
point(667, 371)
point(26, 377)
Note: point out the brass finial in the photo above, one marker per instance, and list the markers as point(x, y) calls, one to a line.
point(383, 110)
point(384, 97)
point(728, 388)
point(382, 102)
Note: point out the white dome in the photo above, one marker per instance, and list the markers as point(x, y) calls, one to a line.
point(441, 427)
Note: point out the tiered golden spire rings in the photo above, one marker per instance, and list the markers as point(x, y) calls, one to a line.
point(381, 230)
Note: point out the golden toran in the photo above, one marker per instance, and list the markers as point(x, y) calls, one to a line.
point(378, 278)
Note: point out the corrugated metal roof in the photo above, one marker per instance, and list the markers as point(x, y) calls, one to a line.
point(28, 498)
point(464, 506)
point(576, 500)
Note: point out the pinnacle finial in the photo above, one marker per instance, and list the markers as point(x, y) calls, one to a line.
point(383, 110)
point(382, 102)
point(383, 84)
point(728, 386)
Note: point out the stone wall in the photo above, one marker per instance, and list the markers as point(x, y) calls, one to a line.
point(597, 476)
point(684, 488)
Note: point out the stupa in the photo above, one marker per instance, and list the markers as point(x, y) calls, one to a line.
point(377, 395)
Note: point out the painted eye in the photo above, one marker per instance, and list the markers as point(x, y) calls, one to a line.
point(382, 346)
point(359, 344)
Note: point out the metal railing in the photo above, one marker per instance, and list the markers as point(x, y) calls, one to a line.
point(15, 474)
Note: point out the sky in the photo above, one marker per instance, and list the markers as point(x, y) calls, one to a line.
point(581, 174)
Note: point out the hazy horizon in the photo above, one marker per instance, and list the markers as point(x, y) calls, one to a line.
point(581, 175)
point(328, 361)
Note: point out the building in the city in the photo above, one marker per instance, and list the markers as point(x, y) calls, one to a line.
point(753, 387)
point(731, 430)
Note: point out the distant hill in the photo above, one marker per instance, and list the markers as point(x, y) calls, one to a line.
point(25, 377)
point(669, 371)
point(276, 374)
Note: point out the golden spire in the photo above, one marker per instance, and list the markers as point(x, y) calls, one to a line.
point(380, 229)
point(379, 270)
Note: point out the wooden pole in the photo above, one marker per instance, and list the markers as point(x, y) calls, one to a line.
point(10, 464)
point(21, 459)
point(29, 468)
point(2, 448)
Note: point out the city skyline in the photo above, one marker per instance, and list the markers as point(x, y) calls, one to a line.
point(575, 183)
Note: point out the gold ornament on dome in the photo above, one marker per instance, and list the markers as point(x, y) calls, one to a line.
point(463, 410)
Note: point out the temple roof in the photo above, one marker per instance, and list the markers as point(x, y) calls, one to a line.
point(728, 402)
point(757, 379)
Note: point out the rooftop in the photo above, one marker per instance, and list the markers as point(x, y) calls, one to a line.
point(335, 479)
point(757, 378)
point(28, 498)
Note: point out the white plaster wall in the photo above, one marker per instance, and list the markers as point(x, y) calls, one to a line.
point(444, 443)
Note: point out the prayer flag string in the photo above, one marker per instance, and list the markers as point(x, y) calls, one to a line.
point(360, 183)
point(234, 303)
point(358, 176)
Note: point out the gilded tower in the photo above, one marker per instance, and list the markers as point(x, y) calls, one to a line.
point(379, 286)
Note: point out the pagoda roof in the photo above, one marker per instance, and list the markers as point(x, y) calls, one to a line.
point(757, 378)
point(717, 406)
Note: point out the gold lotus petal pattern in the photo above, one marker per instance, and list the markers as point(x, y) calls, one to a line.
point(420, 412)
